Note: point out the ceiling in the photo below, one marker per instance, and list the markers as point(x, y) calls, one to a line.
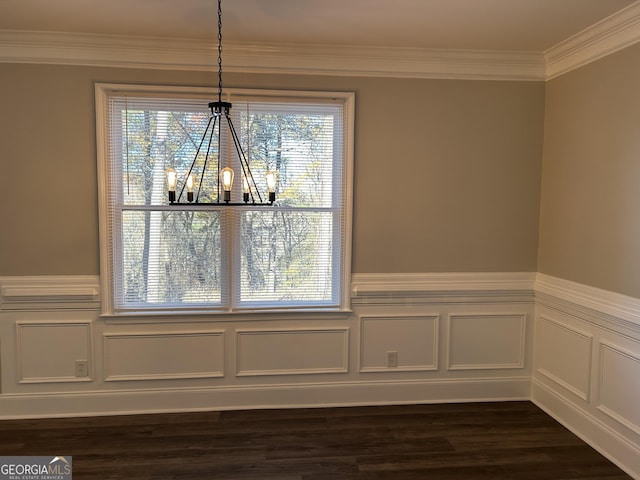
point(501, 25)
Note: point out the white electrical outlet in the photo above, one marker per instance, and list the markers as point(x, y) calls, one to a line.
point(82, 368)
point(392, 359)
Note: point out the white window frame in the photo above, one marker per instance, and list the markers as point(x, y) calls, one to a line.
point(102, 93)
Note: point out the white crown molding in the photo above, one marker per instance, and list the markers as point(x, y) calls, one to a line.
point(184, 54)
point(618, 31)
point(605, 302)
point(387, 62)
point(611, 34)
point(63, 48)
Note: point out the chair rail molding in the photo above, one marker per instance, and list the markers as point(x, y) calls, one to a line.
point(365, 285)
point(49, 292)
point(618, 308)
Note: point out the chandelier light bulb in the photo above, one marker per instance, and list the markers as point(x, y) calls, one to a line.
point(226, 177)
point(172, 180)
point(271, 186)
point(190, 188)
point(245, 189)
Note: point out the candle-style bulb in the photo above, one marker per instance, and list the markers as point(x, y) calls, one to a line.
point(190, 187)
point(271, 186)
point(245, 189)
point(172, 180)
point(226, 177)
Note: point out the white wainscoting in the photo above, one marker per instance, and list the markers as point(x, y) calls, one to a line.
point(148, 363)
point(587, 366)
point(572, 349)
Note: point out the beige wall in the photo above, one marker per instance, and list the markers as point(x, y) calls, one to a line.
point(468, 153)
point(590, 220)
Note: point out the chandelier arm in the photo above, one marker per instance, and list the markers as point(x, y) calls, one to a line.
point(243, 161)
point(184, 129)
point(206, 157)
point(195, 159)
point(219, 156)
point(248, 154)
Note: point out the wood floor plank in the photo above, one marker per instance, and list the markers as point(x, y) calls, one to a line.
point(497, 440)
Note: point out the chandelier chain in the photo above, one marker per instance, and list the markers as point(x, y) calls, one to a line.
point(219, 50)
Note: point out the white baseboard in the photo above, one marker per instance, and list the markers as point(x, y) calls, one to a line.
point(266, 396)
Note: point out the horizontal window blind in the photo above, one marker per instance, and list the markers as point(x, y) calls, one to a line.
point(289, 255)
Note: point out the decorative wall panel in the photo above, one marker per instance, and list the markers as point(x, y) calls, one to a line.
point(413, 340)
point(50, 351)
point(165, 355)
point(486, 341)
point(619, 385)
point(292, 351)
point(564, 356)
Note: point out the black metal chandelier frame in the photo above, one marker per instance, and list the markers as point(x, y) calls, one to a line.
point(251, 192)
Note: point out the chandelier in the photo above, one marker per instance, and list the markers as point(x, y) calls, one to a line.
point(224, 175)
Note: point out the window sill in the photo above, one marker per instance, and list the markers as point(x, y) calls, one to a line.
point(172, 316)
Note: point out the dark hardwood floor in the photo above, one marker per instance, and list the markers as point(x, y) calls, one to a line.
point(502, 440)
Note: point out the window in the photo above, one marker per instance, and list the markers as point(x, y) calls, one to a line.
point(160, 257)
